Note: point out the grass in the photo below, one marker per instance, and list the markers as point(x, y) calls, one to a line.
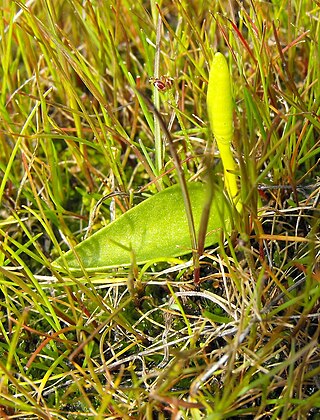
point(79, 147)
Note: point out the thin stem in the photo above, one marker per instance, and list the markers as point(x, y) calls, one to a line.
point(156, 103)
point(183, 185)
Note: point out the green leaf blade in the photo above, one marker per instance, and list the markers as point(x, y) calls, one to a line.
point(156, 228)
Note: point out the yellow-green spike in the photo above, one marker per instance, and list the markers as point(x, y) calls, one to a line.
point(220, 111)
